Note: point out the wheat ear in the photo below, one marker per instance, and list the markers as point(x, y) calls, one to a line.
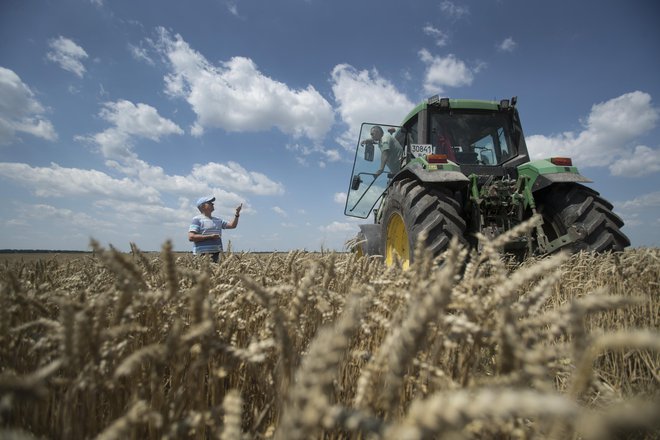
point(641, 339)
point(232, 405)
point(309, 399)
point(451, 412)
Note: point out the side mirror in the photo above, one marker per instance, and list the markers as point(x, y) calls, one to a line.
point(369, 152)
point(355, 183)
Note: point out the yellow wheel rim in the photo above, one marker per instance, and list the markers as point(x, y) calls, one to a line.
point(397, 245)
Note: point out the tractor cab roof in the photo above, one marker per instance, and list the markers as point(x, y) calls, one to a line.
point(466, 104)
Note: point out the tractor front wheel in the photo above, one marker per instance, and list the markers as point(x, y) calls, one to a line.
point(581, 212)
point(410, 208)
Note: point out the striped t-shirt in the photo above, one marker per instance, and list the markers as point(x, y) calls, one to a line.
point(204, 225)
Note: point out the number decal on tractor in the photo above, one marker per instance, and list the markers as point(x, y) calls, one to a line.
point(418, 150)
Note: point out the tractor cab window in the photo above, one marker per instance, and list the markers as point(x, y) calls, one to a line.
point(476, 138)
point(378, 156)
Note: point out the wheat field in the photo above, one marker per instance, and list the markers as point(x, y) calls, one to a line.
point(330, 346)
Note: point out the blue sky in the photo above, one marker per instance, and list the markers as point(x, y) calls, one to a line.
point(115, 116)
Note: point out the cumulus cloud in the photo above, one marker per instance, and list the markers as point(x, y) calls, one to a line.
point(340, 198)
point(607, 135)
point(57, 181)
point(39, 211)
point(68, 55)
point(642, 162)
point(236, 96)
point(20, 112)
point(443, 72)
point(454, 11)
point(140, 191)
point(303, 152)
point(234, 177)
point(129, 121)
point(332, 155)
point(440, 37)
point(156, 177)
point(645, 201)
point(643, 210)
point(140, 54)
point(232, 7)
point(508, 45)
point(136, 213)
point(140, 120)
point(340, 228)
point(365, 96)
point(279, 211)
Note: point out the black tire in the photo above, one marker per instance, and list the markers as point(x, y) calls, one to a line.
point(422, 208)
point(576, 207)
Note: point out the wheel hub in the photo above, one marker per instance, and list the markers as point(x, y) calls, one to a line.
point(397, 244)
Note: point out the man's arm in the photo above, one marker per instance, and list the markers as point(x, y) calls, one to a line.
point(193, 236)
point(383, 160)
point(234, 223)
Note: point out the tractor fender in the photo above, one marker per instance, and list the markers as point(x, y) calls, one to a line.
point(371, 233)
point(543, 173)
point(418, 172)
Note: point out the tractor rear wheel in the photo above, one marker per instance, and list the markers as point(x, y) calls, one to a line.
point(410, 208)
point(581, 210)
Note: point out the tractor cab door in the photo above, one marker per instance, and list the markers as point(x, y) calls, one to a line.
point(366, 185)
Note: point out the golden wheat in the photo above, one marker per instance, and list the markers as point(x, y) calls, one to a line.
point(329, 345)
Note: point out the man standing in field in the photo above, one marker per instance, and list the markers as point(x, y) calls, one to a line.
point(205, 231)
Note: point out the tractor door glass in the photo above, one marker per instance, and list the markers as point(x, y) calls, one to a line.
point(379, 147)
point(478, 138)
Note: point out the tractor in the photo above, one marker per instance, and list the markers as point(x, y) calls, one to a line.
point(457, 167)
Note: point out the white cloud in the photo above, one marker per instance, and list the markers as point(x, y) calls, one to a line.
point(232, 8)
point(112, 143)
point(364, 96)
point(20, 112)
point(607, 135)
point(68, 55)
point(441, 38)
point(340, 228)
point(304, 151)
point(141, 189)
point(454, 11)
point(645, 201)
point(57, 181)
point(643, 161)
point(279, 211)
point(129, 120)
point(76, 219)
point(140, 120)
point(140, 54)
point(340, 198)
point(234, 177)
point(136, 213)
point(236, 96)
point(156, 177)
point(508, 45)
point(442, 72)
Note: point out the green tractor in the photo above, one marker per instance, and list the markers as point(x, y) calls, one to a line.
point(457, 167)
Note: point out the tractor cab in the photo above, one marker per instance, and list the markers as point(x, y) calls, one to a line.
point(468, 137)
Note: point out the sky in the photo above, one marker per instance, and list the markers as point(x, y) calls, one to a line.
point(116, 116)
